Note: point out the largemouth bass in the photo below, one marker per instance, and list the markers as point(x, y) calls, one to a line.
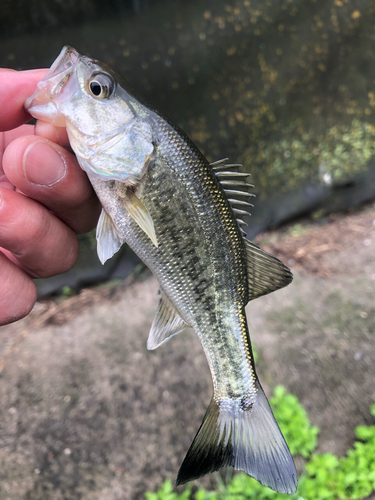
point(183, 217)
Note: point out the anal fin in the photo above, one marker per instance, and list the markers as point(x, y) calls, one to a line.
point(166, 324)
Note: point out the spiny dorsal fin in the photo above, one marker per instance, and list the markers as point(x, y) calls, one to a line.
point(265, 273)
point(109, 241)
point(236, 188)
point(219, 164)
point(166, 324)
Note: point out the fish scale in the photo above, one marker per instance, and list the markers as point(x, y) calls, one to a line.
point(181, 216)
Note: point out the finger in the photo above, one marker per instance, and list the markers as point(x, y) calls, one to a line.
point(4, 182)
point(51, 175)
point(15, 87)
point(18, 292)
point(42, 244)
point(11, 135)
point(54, 134)
point(5, 139)
point(44, 129)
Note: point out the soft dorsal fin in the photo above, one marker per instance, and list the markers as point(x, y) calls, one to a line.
point(109, 241)
point(166, 324)
point(265, 273)
point(236, 188)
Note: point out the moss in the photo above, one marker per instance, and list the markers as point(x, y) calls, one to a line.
point(330, 158)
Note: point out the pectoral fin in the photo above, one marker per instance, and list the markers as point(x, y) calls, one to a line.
point(141, 216)
point(166, 324)
point(109, 241)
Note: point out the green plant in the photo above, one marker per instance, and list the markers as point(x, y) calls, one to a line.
point(356, 474)
point(66, 293)
point(166, 493)
point(244, 487)
point(349, 478)
point(202, 494)
point(320, 478)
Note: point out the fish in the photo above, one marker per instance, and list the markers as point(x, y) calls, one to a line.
point(183, 216)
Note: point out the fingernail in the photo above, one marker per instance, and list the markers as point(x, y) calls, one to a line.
point(43, 165)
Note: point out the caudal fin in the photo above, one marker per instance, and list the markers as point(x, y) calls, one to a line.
point(249, 440)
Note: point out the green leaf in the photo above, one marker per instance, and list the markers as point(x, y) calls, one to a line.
point(365, 433)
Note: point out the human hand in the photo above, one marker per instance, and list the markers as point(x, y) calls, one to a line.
point(45, 198)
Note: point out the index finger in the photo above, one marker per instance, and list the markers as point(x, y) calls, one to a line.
point(15, 87)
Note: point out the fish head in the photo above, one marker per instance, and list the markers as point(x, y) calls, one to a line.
point(79, 92)
point(109, 130)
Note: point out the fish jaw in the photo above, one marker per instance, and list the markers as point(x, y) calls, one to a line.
point(58, 86)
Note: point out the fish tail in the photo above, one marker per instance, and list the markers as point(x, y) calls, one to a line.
point(250, 440)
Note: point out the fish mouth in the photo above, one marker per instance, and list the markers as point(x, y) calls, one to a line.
point(44, 103)
point(46, 111)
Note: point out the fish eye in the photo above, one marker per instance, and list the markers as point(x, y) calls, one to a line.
point(101, 86)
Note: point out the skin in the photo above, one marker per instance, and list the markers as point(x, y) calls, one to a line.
point(45, 198)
